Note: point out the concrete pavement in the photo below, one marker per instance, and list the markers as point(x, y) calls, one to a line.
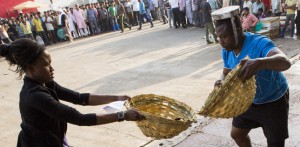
point(173, 62)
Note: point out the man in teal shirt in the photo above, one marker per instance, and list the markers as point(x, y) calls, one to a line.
point(143, 15)
point(269, 109)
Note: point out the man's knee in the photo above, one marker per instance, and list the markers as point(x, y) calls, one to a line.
point(239, 134)
point(234, 135)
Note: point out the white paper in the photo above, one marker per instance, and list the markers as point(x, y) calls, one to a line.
point(114, 106)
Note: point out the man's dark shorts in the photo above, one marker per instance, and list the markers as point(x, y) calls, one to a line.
point(272, 117)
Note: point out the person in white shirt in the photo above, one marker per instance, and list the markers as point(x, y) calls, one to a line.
point(136, 9)
point(48, 22)
point(276, 7)
point(248, 3)
point(3, 34)
point(155, 4)
point(175, 9)
point(256, 5)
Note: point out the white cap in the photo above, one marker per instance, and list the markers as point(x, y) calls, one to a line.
point(228, 13)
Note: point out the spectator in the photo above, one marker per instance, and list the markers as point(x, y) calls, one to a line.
point(121, 14)
point(169, 14)
point(189, 12)
point(182, 13)
point(19, 30)
point(104, 19)
point(92, 19)
point(12, 30)
point(213, 5)
point(260, 14)
point(80, 20)
point(71, 20)
point(113, 16)
point(162, 9)
point(136, 10)
point(25, 26)
point(196, 20)
point(175, 9)
point(64, 24)
point(39, 28)
point(298, 18)
point(248, 4)
point(143, 14)
point(248, 20)
point(290, 6)
point(209, 26)
point(49, 25)
point(276, 7)
point(129, 11)
point(3, 33)
point(256, 5)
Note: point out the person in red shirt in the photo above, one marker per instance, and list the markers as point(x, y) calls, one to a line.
point(248, 20)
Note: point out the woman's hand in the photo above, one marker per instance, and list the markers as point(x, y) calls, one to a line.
point(133, 115)
point(123, 98)
point(218, 84)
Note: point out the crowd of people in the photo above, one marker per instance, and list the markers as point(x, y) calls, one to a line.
point(44, 118)
point(54, 26)
point(253, 12)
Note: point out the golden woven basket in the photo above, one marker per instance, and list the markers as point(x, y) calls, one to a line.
point(165, 117)
point(232, 99)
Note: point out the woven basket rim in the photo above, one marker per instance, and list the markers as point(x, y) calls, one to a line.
point(213, 101)
point(148, 115)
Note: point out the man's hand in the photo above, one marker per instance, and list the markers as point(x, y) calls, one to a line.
point(133, 115)
point(249, 68)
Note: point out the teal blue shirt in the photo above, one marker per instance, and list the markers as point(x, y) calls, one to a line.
point(142, 8)
point(271, 85)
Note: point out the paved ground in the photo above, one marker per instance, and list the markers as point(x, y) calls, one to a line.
point(174, 63)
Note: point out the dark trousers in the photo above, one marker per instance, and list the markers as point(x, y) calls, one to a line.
point(52, 36)
point(182, 18)
point(6, 40)
point(136, 15)
point(43, 35)
point(298, 22)
point(130, 16)
point(94, 26)
point(106, 24)
point(30, 36)
point(142, 16)
point(123, 23)
point(176, 17)
point(34, 34)
point(277, 14)
point(163, 15)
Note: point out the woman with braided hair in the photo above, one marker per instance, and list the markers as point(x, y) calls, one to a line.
point(44, 118)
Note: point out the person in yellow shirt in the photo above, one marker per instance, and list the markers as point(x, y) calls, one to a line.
point(26, 27)
point(290, 6)
point(39, 28)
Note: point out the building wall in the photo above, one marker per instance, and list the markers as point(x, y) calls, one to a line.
point(6, 8)
point(62, 3)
